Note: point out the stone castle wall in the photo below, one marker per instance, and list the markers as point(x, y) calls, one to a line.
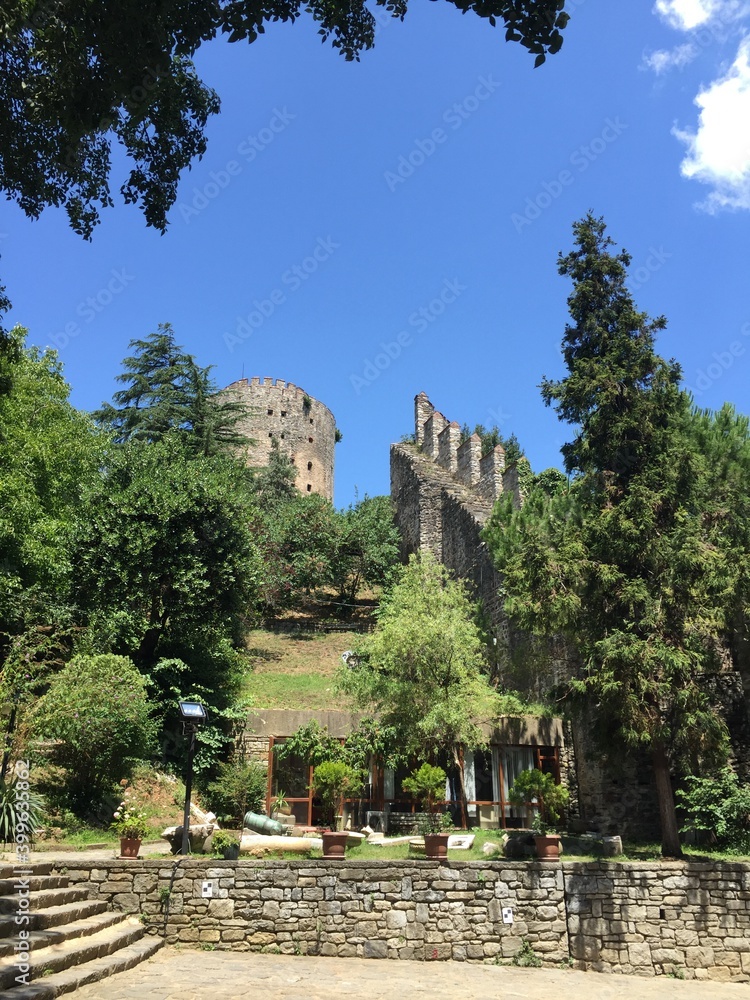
point(685, 919)
point(303, 426)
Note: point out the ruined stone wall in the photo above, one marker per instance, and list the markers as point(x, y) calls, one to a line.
point(304, 428)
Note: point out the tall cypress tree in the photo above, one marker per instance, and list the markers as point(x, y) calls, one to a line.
point(628, 563)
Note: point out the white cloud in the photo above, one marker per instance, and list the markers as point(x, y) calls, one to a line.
point(662, 60)
point(685, 14)
point(718, 152)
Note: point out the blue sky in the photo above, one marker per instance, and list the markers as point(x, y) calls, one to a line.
point(376, 229)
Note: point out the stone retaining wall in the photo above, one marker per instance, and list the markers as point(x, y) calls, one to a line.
point(683, 918)
point(414, 909)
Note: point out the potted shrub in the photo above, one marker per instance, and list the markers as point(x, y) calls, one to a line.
point(279, 805)
point(333, 781)
point(227, 844)
point(427, 785)
point(130, 823)
point(550, 798)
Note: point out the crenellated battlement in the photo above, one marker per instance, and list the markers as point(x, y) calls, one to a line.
point(440, 439)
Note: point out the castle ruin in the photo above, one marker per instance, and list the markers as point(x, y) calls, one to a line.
point(304, 428)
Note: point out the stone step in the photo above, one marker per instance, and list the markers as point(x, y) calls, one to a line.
point(91, 972)
point(10, 871)
point(9, 886)
point(54, 916)
point(72, 929)
point(42, 898)
point(77, 951)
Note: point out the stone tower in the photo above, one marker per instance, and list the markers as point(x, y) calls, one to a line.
point(304, 428)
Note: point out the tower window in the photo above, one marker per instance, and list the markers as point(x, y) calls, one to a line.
point(311, 420)
point(282, 435)
point(270, 434)
point(309, 466)
point(283, 413)
point(270, 413)
point(310, 440)
point(309, 488)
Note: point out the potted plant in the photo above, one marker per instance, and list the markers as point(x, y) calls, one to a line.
point(427, 785)
point(280, 806)
point(537, 787)
point(227, 844)
point(130, 823)
point(333, 781)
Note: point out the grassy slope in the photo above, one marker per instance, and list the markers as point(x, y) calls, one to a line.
point(296, 670)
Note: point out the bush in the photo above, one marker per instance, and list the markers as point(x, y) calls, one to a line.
point(239, 788)
point(334, 781)
point(536, 785)
point(718, 808)
point(97, 712)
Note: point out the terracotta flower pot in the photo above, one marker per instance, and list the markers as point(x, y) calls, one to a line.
point(334, 844)
point(436, 845)
point(548, 847)
point(129, 847)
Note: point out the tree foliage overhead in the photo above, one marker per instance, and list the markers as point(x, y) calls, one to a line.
point(643, 561)
point(79, 75)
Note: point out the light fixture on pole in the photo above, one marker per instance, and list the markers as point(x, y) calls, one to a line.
point(193, 714)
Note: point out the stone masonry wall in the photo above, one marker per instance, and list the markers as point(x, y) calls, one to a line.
point(682, 918)
point(406, 910)
point(304, 427)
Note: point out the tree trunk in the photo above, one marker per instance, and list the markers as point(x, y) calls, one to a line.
point(670, 837)
point(458, 758)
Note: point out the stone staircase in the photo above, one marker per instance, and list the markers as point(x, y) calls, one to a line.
point(73, 940)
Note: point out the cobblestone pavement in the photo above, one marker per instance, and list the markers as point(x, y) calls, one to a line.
point(197, 975)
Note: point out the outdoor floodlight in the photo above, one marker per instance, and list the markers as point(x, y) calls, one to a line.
point(193, 714)
point(193, 711)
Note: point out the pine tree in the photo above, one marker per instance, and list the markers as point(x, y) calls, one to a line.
point(166, 392)
point(630, 562)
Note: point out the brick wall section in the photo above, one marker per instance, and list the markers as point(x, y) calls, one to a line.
point(685, 918)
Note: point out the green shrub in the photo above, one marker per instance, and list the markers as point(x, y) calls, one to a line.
point(97, 713)
point(551, 798)
point(334, 781)
point(239, 788)
point(718, 808)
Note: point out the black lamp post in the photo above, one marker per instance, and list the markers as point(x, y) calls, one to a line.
point(193, 714)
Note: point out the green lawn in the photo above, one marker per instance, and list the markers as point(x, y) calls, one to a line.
point(296, 670)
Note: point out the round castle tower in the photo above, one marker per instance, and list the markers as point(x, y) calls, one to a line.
point(304, 428)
